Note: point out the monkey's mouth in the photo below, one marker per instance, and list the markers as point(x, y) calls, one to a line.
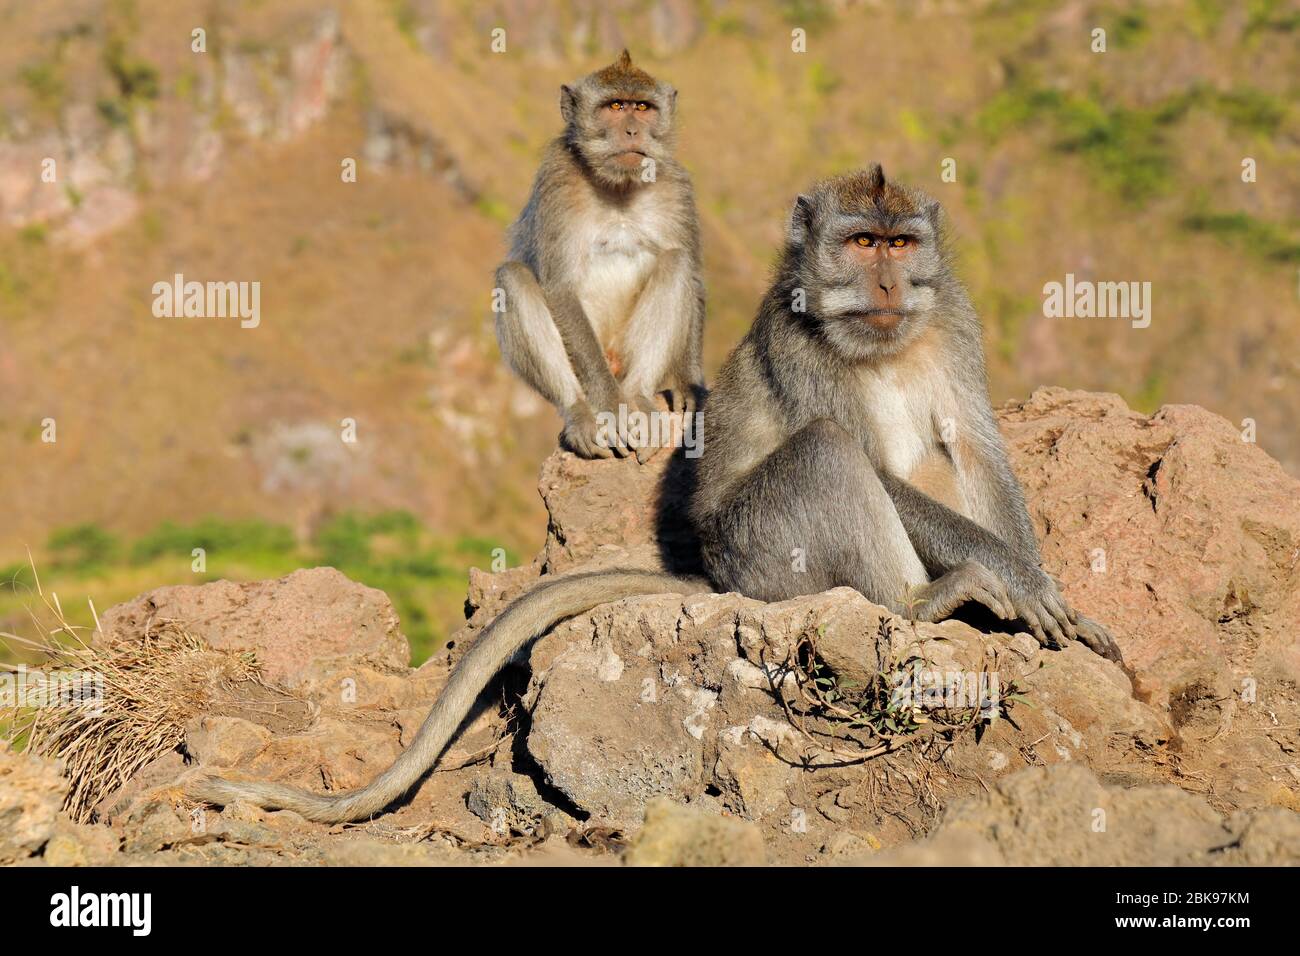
point(629, 158)
point(882, 319)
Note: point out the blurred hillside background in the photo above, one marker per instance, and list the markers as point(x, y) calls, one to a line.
point(225, 165)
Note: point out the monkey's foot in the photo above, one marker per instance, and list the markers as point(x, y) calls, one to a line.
point(1096, 638)
point(1036, 600)
point(641, 434)
point(586, 438)
point(685, 399)
point(968, 581)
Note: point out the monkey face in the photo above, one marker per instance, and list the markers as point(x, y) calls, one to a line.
point(620, 122)
point(869, 258)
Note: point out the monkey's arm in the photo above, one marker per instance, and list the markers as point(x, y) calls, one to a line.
point(587, 358)
point(989, 486)
point(944, 539)
point(694, 372)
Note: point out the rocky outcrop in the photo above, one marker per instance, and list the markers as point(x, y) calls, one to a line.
point(305, 628)
point(1064, 816)
point(32, 791)
point(715, 728)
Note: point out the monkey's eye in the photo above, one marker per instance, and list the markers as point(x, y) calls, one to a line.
point(642, 107)
point(616, 106)
point(865, 241)
point(898, 242)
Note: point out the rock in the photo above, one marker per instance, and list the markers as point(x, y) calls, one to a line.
point(31, 795)
point(610, 736)
point(670, 696)
point(158, 820)
point(956, 848)
point(304, 628)
point(1183, 538)
point(81, 845)
point(676, 835)
point(219, 741)
point(509, 803)
point(1170, 528)
point(1267, 837)
point(631, 516)
point(689, 711)
point(1064, 816)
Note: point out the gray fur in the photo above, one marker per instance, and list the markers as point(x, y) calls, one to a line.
point(819, 419)
point(615, 261)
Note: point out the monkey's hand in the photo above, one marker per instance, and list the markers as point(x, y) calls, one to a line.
point(641, 434)
point(585, 437)
point(968, 581)
point(1097, 639)
point(1037, 601)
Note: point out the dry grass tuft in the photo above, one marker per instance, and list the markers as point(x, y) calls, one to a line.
point(109, 709)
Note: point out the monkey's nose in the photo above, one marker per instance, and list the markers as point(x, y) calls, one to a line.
point(631, 131)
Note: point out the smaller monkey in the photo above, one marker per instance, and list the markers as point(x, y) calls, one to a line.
point(602, 299)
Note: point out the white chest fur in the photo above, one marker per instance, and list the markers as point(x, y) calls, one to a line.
point(616, 252)
point(904, 413)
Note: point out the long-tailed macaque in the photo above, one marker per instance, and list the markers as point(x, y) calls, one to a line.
point(600, 302)
point(851, 427)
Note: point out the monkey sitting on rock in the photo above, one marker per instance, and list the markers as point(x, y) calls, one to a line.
point(851, 426)
point(600, 303)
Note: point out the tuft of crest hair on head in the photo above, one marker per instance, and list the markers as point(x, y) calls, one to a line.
point(876, 178)
point(625, 77)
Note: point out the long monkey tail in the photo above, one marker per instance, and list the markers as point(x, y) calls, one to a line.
point(515, 628)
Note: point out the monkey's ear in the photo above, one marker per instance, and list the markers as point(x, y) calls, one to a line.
point(934, 214)
point(875, 177)
point(568, 104)
point(801, 220)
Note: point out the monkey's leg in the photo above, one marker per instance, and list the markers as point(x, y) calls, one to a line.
point(686, 376)
point(944, 539)
point(814, 515)
point(531, 343)
point(658, 333)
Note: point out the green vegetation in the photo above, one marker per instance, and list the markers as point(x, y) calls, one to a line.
point(809, 14)
point(1266, 239)
point(136, 82)
point(1151, 395)
point(251, 539)
point(135, 79)
point(495, 209)
point(1246, 108)
point(1129, 29)
point(407, 20)
point(823, 79)
point(45, 82)
point(1125, 148)
point(1276, 15)
point(424, 575)
point(82, 549)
